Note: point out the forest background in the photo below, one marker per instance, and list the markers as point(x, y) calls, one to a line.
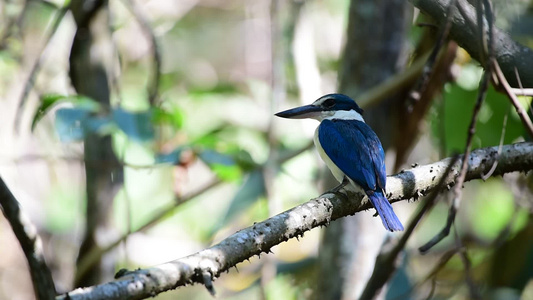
point(135, 133)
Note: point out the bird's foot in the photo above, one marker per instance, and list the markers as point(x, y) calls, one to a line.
point(336, 190)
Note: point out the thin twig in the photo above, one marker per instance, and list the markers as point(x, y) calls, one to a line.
point(162, 213)
point(12, 21)
point(522, 92)
point(526, 121)
point(463, 254)
point(432, 290)
point(442, 128)
point(394, 83)
point(502, 137)
point(420, 87)
point(440, 265)
point(443, 260)
point(460, 180)
point(486, 54)
point(520, 86)
point(424, 24)
point(31, 244)
point(37, 65)
point(489, 16)
point(482, 35)
point(466, 16)
point(138, 14)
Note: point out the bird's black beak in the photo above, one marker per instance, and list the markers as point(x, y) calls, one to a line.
point(302, 112)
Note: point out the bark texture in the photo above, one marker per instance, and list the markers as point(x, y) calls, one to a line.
point(203, 267)
point(88, 59)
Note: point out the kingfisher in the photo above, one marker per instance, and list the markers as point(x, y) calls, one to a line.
point(351, 150)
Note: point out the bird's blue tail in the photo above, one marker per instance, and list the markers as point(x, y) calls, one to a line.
point(385, 211)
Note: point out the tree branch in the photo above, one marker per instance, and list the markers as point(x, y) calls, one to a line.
point(96, 253)
point(30, 242)
point(139, 15)
point(88, 71)
point(522, 113)
point(506, 51)
point(261, 237)
point(36, 66)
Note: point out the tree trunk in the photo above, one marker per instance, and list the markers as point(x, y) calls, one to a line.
point(104, 175)
point(374, 51)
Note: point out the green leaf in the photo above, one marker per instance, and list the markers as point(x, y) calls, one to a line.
point(244, 160)
point(136, 125)
point(227, 173)
point(172, 157)
point(252, 189)
point(173, 117)
point(51, 100)
point(212, 157)
point(222, 88)
point(72, 124)
point(47, 101)
point(69, 124)
point(223, 165)
point(458, 108)
point(211, 138)
point(494, 206)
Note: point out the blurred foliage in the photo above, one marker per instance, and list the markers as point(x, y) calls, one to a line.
point(88, 117)
point(214, 122)
point(493, 209)
point(62, 213)
point(450, 123)
point(252, 189)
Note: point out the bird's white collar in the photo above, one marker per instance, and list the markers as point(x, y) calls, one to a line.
point(341, 114)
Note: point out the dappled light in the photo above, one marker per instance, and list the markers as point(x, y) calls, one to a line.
point(142, 157)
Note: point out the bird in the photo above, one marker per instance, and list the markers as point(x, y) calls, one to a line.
point(351, 150)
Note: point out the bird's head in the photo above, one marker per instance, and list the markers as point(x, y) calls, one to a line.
point(331, 106)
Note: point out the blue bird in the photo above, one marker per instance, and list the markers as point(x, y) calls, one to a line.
point(350, 149)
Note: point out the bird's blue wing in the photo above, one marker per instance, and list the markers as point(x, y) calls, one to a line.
point(356, 150)
point(378, 155)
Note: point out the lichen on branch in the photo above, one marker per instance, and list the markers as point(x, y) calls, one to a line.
point(208, 264)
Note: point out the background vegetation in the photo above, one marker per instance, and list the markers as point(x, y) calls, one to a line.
point(149, 135)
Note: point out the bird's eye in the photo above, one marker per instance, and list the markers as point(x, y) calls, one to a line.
point(329, 103)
